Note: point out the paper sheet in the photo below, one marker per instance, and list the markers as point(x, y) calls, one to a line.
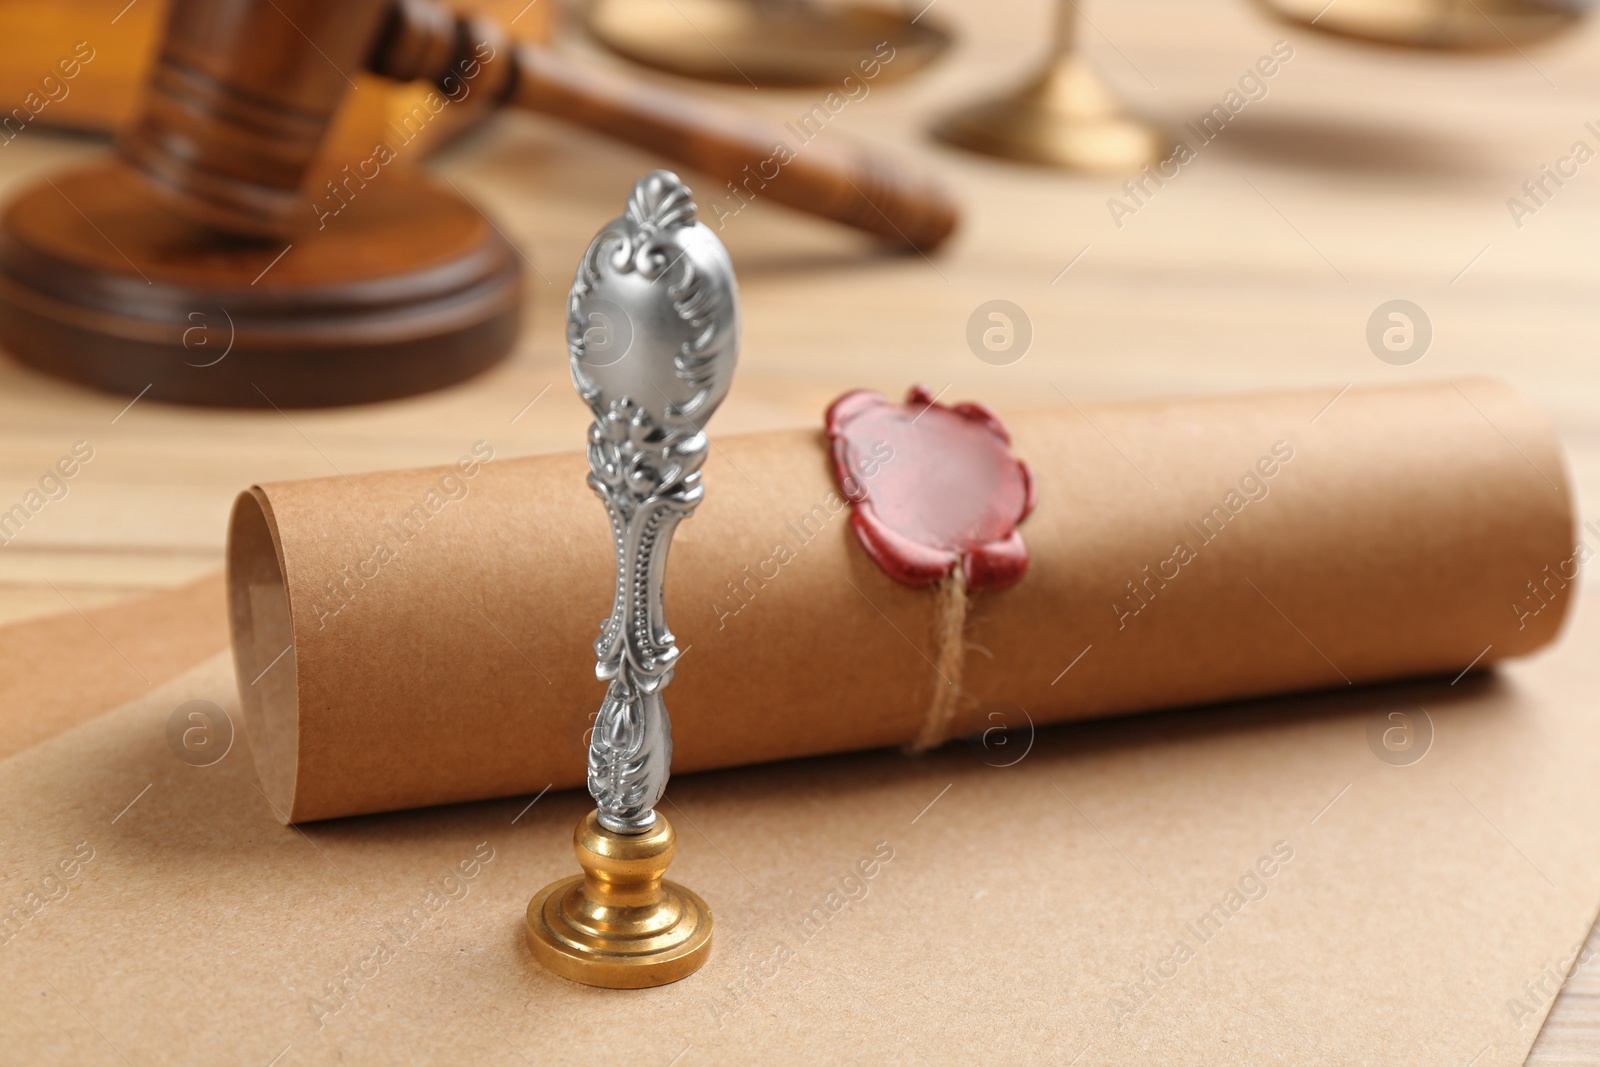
point(55, 672)
point(1018, 909)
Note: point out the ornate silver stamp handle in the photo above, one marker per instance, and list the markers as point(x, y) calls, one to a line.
point(653, 337)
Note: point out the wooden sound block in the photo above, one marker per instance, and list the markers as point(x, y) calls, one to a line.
point(407, 288)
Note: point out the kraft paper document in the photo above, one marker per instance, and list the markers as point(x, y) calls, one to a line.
point(1243, 884)
point(419, 637)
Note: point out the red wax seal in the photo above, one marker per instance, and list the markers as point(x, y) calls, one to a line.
point(934, 487)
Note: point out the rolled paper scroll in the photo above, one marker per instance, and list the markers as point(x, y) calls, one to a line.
point(421, 637)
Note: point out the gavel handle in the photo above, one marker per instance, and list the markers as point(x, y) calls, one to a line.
point(755, 159)
point(804, 166)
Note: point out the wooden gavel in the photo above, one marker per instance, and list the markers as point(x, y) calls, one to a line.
point(214, 279)
point(244, 91)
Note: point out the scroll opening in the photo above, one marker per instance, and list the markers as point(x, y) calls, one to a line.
point(263, 647)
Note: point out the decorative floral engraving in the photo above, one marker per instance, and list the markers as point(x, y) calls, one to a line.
point(652, 332)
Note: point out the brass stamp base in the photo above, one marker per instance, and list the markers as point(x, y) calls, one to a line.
point(620, 924)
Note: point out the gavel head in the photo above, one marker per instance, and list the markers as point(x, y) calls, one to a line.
point(238, 102)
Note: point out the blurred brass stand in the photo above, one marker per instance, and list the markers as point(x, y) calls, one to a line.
point(1461, 25)
point(1065, 116)
point(766, 42)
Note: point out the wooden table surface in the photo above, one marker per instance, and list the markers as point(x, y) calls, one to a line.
point(1362, 176)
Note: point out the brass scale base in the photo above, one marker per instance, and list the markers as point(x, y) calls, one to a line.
point(1066, 117)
